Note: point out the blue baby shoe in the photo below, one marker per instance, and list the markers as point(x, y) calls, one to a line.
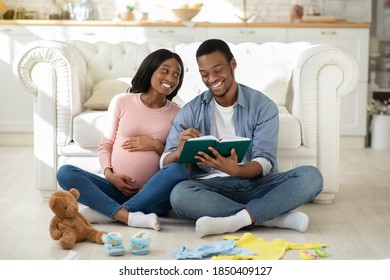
point(140, 243)
point(113, 243)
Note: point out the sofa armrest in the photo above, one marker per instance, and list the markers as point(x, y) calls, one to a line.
point(54, 73)
point(65, 65)
point(322, 75)
point(311, 74)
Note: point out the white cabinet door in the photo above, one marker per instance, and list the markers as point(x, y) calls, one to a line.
point(92, 34)
point(164, 34)
point(248, 34)
point(16, 108)
point(43, 32)
point(356, 40)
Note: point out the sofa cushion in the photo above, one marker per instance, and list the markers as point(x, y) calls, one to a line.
point(104, 91)
point(89, 126)
point(289, 132)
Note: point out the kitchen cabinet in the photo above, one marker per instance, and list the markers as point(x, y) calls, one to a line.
point(16, 108)
point(164, 34)
point(113, 34)
point(42, 32)
point(353, 115)
point(248, 34)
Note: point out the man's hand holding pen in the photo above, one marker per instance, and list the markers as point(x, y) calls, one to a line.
point(187, 134)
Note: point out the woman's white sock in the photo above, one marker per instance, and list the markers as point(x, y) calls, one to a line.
point(209, 225)
point(292, 220)
point(141, 220)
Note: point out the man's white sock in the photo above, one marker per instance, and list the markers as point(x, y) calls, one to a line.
point(141, 220)
point(209, 225)
point(95, 217)
point(292, 220)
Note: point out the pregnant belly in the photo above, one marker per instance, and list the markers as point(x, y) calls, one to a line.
point(141, 166)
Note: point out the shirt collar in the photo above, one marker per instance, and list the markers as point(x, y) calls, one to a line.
point(207, 97)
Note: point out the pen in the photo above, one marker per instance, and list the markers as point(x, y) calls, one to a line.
point(183, 126)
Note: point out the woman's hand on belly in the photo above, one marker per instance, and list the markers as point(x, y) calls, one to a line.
point(123, 183)
point(143, 143)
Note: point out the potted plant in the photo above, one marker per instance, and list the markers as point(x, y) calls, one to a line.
point(128, 13)
point(380, 124)
point(379, 107)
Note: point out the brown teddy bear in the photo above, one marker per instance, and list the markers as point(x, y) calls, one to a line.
point(68, 225)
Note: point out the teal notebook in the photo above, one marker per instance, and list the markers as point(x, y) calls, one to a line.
point(223, 146)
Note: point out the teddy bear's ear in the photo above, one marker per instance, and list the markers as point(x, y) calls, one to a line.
point(52, 201)
point(74, 192)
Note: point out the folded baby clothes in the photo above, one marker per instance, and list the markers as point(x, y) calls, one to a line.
point(226, 247)
point(264, 250)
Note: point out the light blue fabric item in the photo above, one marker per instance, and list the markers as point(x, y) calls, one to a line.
point(226, 247)
point(113, 243)
point(140, 243)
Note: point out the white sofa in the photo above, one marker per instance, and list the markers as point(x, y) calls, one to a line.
point(305, 80)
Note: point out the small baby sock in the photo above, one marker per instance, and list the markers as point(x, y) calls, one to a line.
point(209, 225)
point(292, 220)
point(141, 220)
point(95, 217)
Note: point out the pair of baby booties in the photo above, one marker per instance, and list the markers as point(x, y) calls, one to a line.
point(139, 243)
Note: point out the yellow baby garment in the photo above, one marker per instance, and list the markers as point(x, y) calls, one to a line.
point(273, 250)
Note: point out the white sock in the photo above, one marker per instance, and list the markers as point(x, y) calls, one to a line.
point(95, 217)
point(209, 225)
point(292, 220)
point(141, 220)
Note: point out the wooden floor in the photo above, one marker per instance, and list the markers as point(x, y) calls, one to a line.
point(356, 226)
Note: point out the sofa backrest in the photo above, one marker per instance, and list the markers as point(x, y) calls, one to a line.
point(267, 67)
point(106, 61)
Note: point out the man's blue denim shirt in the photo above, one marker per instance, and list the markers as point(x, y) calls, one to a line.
point(255, 116)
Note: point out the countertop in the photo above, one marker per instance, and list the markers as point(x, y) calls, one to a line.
point(341, 24)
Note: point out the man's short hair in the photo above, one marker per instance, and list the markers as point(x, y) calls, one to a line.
point(213, 45)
